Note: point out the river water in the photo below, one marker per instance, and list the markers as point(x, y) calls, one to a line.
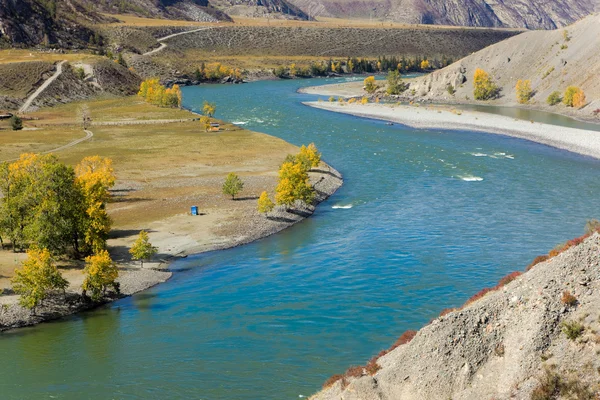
point(425, 219)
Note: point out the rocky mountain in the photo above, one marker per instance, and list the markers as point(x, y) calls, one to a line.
point(534, 336)
point(551, 60)
point(50, 22)
point(529, 14)
point(191, 10)
point(261, 8)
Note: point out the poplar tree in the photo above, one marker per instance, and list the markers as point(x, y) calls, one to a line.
point(142, 249)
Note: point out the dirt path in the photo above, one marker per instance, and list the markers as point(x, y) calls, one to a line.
point(42, 88)
point(164, 45)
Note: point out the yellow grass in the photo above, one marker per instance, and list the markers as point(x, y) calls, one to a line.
point(132, 20)
point(161, 169)
point(19, 55)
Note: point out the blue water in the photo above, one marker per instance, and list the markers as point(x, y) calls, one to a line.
point(436, 216)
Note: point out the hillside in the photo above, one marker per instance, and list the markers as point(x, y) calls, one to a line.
point(552, 61)
point(530, 14)
point(510, 344)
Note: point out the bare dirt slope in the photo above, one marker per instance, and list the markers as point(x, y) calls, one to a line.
point(552, 60)
point(499, 346)
point(530, 14)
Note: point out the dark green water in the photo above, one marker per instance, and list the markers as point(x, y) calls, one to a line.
point(425, 219)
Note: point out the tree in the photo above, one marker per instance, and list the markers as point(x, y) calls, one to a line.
point(205, 122)
point(142, 249)
point(95, 176)
point(579, 99)
point(395, 85)
point(209, 109)
point(101, 272)
point(293, 185)
point(370, 86)
point(554, 98)
point(309, 157)
point(232, 185)
point(424, 65)
point(364, 100)
point(483, 86)
point(16, 123)
point(37, 277)
point(572, 94)
point(265, 205)
point(524, 91)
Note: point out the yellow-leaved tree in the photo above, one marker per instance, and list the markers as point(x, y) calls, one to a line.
point(424, 64)
point(142, 249)
point(37, 278)
point(265, 205)
point(370, 86)
point(101, 272)
point(524, 91)
point(570, 97)
point(205, 122)
point(309, 156)
point(293, 185)
point(155, 93)
point(483, 86)
point(209, 109)
point(95, 175)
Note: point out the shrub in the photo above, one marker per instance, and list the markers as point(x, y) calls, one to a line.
point(16, 123)
point(80, 73)
point(592, 226)
point(372, 366)
point(447, 311)
point(405, 338)
point(596, 112)
point(332, 380)
point(354, 372)
point(568, 299)
point(554, 98)
point(450, 89)
point(395, 85)
point(508, 279)
point(553, 386)
point(551, 70)
point(483, 86)
point(280, 72)
point(537, 260)
point(364, 100)
point(572, 329)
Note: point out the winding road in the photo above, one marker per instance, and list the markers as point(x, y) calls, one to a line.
point(164, 45)
point(43, 87)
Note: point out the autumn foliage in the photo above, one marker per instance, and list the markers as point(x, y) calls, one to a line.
point(524, 91)
point(483, 86)
point(101, 272)
point(574, 97)
point(154, 93)
point(370, 86)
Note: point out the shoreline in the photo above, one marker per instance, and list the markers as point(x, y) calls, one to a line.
point(583, 142)
point(133, 279)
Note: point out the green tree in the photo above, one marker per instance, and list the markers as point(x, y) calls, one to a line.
point(395, 85)
point(554, 98)
point(232, 185)
point(37, 278)
point(142, 249)
point(209, 109)
point(121, 60)
point(101, 272)
point(16, 123)
point(265, 205)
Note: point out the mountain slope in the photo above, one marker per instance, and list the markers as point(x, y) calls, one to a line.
point(551, 60)
point(506, 345)
point(530, 14)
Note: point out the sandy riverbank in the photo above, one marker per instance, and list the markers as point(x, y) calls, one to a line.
point(175, 237)
point(440, 117)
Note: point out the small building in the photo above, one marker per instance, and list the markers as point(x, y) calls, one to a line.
point(214, 127)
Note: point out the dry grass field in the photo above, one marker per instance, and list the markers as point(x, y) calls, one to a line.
point(162, 169)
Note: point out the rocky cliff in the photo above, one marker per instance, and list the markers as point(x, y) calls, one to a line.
point(530, 14)
point(535, 337)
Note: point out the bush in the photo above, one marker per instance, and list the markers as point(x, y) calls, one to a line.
point(395, 85)
point(592, 226)
point(16, 123)
point(537, 260)
point(572, 329)
point(554, 98)
point(568, 299)
point(450, 89)
point(524, 91)
point(553, 386)
point(280, 72)
point(332, 380)
point(370, 86)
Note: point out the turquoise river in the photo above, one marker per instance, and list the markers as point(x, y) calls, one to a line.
point(424, 220)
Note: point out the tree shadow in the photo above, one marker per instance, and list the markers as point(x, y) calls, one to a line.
point(123, 199)
point(246, 198)
point(301, 213)
point(322, 171)
point(123, 233)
